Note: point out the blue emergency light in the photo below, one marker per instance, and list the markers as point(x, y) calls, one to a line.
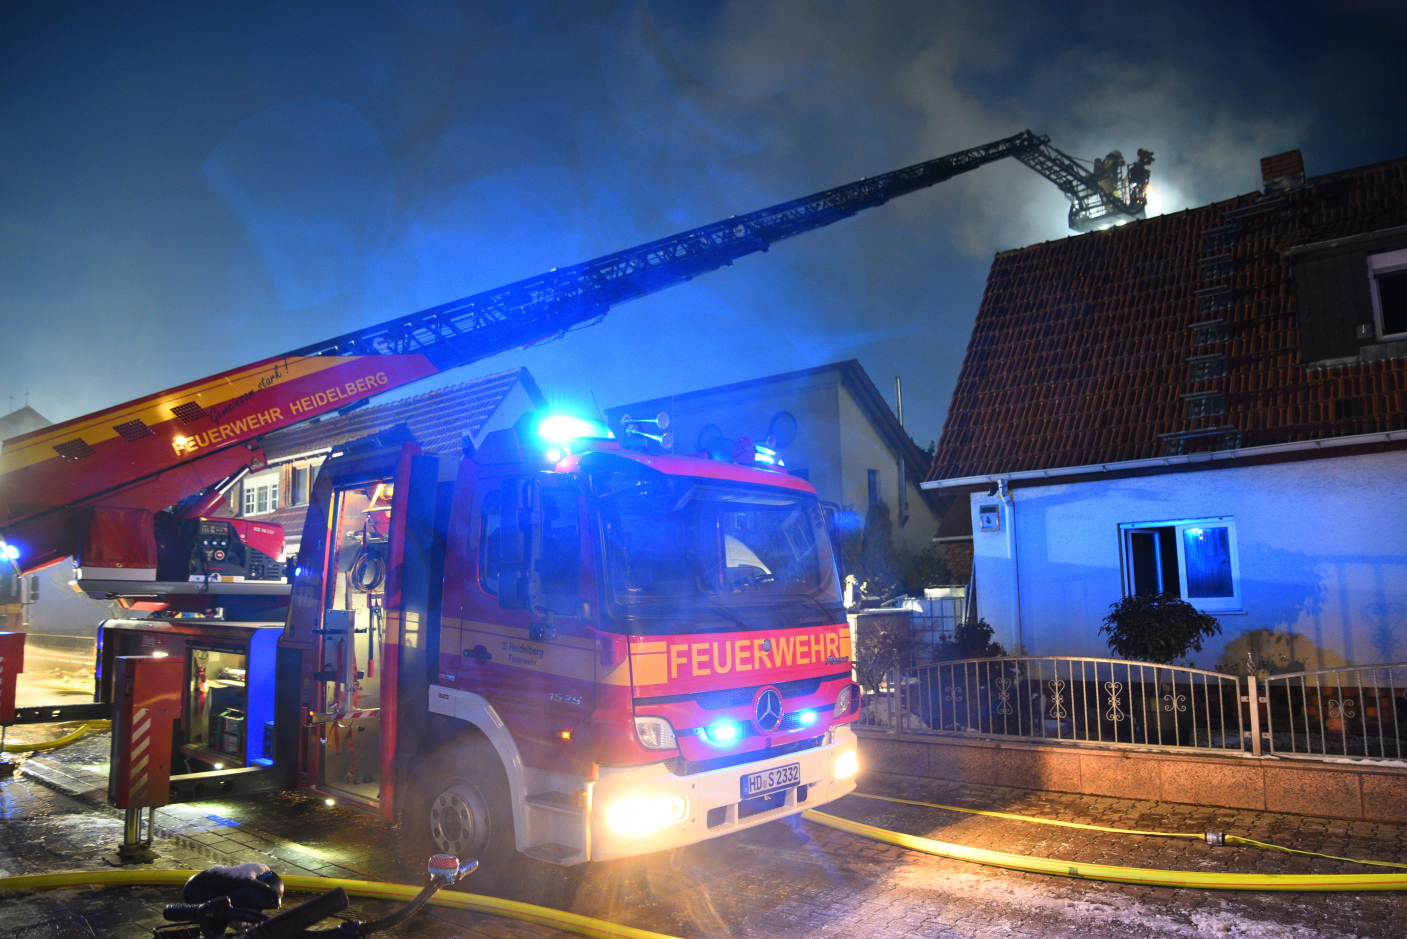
point(721, 733)
point(564, 428)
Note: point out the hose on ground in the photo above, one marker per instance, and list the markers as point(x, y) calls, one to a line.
point(510, 909)
point(1144, 876)
point(84, 729)
point(1195, 836)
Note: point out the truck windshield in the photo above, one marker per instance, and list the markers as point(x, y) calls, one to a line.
point(740, 551)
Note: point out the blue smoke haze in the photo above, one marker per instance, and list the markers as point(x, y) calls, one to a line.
point(187, 188)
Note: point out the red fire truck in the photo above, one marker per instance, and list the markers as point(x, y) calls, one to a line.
point(567, 648)
point(556, 644)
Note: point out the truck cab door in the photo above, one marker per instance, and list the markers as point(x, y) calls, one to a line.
point(526, 639)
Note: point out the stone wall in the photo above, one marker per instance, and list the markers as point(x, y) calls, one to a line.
point(1353, 790)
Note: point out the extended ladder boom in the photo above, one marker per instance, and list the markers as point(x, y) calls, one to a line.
point(150, 453)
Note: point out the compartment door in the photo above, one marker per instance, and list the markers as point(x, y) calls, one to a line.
point(352, 641)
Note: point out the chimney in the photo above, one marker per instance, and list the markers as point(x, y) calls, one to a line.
point(1282, 172)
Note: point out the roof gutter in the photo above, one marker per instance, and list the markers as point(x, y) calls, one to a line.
point(306, 454)
point(1213, 456)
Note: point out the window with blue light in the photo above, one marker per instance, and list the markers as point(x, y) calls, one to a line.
point(1194, 559)
point(1208, 562)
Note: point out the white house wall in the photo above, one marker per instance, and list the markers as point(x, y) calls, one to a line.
point(1322, 548)
point(864, 448)
point(514, 405)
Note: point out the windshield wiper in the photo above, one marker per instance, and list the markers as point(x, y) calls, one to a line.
point(722, 608)
point(827, 612)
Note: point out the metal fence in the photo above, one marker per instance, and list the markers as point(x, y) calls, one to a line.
point(934, 618)
point(1345, 712)
point(1085, 700)
point(1338, 712)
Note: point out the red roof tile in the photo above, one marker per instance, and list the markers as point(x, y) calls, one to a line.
point(1080, 352)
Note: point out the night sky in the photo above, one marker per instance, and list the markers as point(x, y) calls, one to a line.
point(185, 188)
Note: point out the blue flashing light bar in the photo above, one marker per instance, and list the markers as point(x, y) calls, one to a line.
point(563, 428)
point(806, 718)
point(766, 455)
point(9, 552)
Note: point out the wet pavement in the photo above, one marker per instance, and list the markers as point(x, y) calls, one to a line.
point(778, 880)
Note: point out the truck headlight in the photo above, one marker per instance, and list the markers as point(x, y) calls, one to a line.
point(842, 702)
point(655, 733)
point(847, 764)
point(640, 815)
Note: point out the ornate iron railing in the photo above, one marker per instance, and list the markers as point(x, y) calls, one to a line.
point(1083, 700)
point(1338, 712)
point(1350, 712)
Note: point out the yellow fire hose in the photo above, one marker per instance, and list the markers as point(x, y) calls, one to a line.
point(87, 727)
point(1146, 876)
point(1229, 839)
point(511, 909)
point(600, 929)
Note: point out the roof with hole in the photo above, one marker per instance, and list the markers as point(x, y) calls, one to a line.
point(1184, 332)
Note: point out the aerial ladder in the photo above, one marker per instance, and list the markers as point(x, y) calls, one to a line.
point(89, 487)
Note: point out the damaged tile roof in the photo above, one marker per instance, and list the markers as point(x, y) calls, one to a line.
point(1175, 334)
point(439, 419)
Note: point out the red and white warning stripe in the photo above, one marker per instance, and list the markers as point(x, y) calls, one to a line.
point(141, 755)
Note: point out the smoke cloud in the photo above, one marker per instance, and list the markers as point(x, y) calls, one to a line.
point(188, 189)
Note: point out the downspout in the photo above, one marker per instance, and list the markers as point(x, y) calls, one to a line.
point(1009, 499)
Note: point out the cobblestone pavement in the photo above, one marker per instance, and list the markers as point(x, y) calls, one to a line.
point(778, 880)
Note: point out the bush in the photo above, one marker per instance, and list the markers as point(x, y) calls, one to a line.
point(879, 650)
point(926, 568)
point(1157, 628)
point(871, 557)
point(972, 639)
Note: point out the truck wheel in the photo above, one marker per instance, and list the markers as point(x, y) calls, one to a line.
point(461, 822)
point(454, 813)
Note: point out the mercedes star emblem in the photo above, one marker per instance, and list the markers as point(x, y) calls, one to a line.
point(769, 710)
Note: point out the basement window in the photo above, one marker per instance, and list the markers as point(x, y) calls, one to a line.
point(1389, 284)
point(1194, 559)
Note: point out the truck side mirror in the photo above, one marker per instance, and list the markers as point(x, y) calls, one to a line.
point(520, 502)
point(829, 511)
point(521, 505)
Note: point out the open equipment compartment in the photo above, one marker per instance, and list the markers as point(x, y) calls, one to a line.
point(227, 707)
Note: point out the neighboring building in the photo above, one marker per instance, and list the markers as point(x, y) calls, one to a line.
point(832, 428)
point(439, 420)
point(1212, 403)
point(51, 607)
point(19, 422)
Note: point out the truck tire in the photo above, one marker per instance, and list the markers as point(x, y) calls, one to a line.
point(460, 805)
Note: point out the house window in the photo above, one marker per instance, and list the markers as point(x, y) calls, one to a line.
point(1389, 285)
point(874, 485)
point(1194, 559)
point(261, 494)
point(301, 477)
